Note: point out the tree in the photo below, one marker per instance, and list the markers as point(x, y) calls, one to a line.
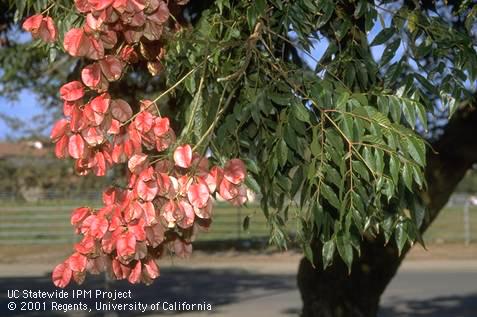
point(358, 153)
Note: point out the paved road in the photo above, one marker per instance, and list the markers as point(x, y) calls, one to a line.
point(422, 289)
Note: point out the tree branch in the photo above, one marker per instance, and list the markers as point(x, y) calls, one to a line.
point(455, 153)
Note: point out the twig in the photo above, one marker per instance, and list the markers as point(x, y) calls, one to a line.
point(165, 92)
point(217, 118)
point(251, 42)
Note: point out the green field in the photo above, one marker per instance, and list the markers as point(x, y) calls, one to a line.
point(449, 226)
point(48, 222)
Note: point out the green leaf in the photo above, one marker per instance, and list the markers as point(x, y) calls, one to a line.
point(452, 104)
point(390, 52)
point(409, 111)
point(360, 9)
point(407, 176)
point(332, 175)
point(356, 243)
point(425, 83)
point(361, 169)
point(342, 99)
point(345, 250)
point(297, 181)
point(334, 139)
point(317, 211)
point(342, 29)
point(379, 160)
point(284, 182)
point(395, 109)
point(290, 137)
point(221, 4)
point(389, 189)
point(362, 74)
point(394, 168)
point(387, 226)
point(52, 54)
point(383, 36)
point(308, 253)
point(190, 84)
point(251, 17)
point(282, 152)
point(358, 220)
point(422, 114)
point(401, 236)
point(279, 99)
point(261, 5)
point(362, 100)
point(370, 16)
point(251, 183)
point(330, 195)
point(328, 253)
point(20, 4)
point(301, 113)
point(358, 202)
point(327, 8)
point(418, 177)
point(251, 166)
point(383, 105)
point(315, 145)
point(350, 75)
point(417, 150)
point(369, 159)
point(347, 126)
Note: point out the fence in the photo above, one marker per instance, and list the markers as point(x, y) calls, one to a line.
point(47, 221)
point(457, 222)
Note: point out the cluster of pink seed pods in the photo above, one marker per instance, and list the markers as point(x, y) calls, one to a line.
point(169, 194)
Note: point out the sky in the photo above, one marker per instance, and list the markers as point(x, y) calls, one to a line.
point(25, 108)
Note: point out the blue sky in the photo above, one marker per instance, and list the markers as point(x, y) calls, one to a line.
point(25, 108)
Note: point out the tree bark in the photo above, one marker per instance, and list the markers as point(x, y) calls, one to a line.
point(335, 293)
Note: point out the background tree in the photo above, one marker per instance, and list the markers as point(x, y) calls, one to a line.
point(358, 153)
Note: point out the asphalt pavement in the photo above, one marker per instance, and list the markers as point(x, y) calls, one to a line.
point(421, 288)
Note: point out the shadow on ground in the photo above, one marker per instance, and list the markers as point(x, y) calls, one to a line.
point(220, 288)
point(217, 287)
point(445, 306)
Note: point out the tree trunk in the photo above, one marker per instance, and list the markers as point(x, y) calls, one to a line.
point(335, 293)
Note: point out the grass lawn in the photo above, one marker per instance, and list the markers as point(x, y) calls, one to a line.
point(449, 226)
